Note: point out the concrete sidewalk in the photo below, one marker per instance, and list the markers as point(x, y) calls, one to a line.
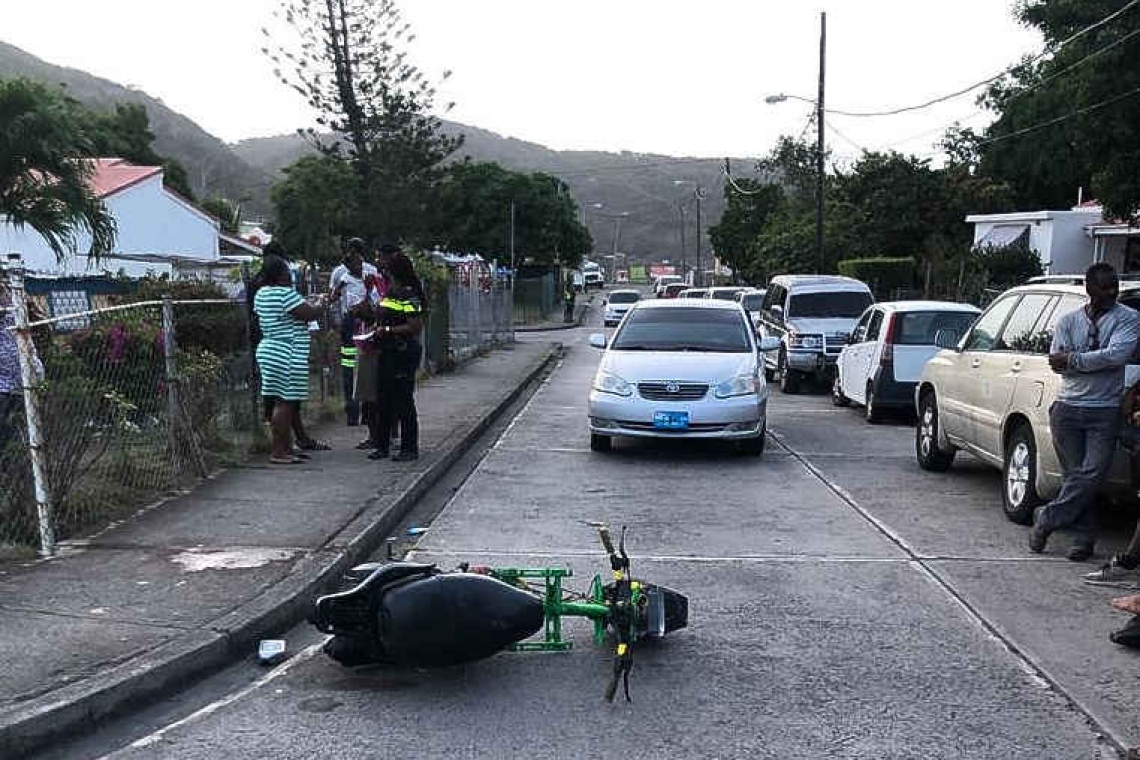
point(189, 585)
point(580, 312)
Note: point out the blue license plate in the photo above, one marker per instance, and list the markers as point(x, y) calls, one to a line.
point(671, 420)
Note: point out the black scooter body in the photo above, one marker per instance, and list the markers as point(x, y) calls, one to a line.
point(413, 615)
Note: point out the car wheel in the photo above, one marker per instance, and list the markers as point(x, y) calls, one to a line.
point(601, 443)
point(789, 378)
point(870, 409)
point(837, 396)
point(1019, 476)
point(754, 446)
point(930, 457)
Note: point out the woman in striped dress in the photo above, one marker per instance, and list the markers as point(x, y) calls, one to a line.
point(283, 353)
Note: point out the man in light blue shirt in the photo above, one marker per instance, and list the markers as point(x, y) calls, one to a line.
point(1090, 349)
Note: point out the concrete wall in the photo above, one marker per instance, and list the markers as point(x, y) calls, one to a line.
point(151, 221)
point(1071, 251)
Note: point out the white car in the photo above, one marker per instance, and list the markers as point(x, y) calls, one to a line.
point(681, 369)
point(618, 303)
point(889, 347)
point(664, 281)
point(751, 301)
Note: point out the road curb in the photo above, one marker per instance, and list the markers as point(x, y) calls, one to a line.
point(568, 326)
point(80, 706)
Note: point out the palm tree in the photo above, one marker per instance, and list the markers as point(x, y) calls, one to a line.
point(45, 170)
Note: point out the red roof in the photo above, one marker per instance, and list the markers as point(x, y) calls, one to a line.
point(113, 175)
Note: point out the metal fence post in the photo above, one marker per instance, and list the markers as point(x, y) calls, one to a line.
point(171, 380)
point(27, 352)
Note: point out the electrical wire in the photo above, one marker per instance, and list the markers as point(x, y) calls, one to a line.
point(844, 137)
point(1059, 119)
point(990, 80)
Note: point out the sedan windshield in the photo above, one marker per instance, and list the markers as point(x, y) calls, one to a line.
point(678, 329)
point(829, 305)
point(624, 297)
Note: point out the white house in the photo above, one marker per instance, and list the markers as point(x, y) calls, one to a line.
point(1067, 241)
point(1060, 238)
point(158, 230)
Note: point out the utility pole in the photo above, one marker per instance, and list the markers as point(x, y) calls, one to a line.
point(512, 241)
point(700, 274)
point(820, 176)
point(681, 211)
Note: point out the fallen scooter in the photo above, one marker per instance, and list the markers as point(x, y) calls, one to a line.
point(410, 614)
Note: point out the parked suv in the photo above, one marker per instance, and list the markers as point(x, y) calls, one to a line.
point(813, 316)
point(989, 393)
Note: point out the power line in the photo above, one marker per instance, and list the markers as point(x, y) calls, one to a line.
point(990, 80)
point(1059, 119)
point(844, 137)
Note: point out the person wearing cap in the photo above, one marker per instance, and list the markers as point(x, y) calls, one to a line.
point(348, 286)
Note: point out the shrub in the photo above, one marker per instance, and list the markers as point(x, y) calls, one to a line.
point(884, 275)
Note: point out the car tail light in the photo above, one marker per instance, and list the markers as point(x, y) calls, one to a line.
point(888, 357)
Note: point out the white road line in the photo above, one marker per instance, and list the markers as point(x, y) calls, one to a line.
point(150, 739)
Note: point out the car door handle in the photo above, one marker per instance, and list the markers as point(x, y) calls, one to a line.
point(975, 363)
point(1015, 367)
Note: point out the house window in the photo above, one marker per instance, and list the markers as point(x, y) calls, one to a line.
point(64, 302)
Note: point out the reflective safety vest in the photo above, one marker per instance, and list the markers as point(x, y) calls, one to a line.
point(348, 357)
point(400, 306)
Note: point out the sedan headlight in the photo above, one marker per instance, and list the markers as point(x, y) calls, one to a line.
point(741, 385)
point(803, 341)
point(607, 382)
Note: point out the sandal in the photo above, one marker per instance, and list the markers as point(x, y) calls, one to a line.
point(313, 444)
point(291, 460)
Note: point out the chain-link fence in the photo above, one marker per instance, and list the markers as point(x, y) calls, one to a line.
point(536, 298)
point(479, 312)
point(129, 403)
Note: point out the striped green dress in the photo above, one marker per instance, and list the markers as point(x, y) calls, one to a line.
point(283, 353)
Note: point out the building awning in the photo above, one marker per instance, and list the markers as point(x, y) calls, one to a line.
point(1003, 235)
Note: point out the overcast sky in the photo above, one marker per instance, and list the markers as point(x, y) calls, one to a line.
point(664, 76)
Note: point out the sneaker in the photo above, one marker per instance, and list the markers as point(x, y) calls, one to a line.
point(366, 444)
point(378, 454)
point(406, 456)
point(1113, 573)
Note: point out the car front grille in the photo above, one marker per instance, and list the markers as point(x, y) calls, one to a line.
point(664, 392)
point(835, 343)
point(694, 427)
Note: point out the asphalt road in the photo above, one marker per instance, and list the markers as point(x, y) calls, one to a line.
point(843, 604)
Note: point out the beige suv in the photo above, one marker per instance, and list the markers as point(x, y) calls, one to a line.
point(989, 393)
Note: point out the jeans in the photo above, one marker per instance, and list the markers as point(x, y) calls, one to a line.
point(1085, 439)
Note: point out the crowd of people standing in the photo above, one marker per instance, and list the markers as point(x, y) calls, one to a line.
point(379, 309)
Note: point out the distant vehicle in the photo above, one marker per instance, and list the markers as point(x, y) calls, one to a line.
point(617, 304)
point(682, 369)
point(989, 390)
point(694, 293)
point(813, 316)
point(665, 279)
point(724, 294)
point(889, 347)
point(594, 279)
point(578, 281)
point(673, 289)
point(751, 301)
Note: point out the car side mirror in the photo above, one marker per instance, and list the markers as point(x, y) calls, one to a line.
point(605, 302)
point(947, 339)
point(598, 340)
point(778, 314)
point(769, 343)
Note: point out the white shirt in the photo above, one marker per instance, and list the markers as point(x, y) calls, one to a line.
point(353, 291)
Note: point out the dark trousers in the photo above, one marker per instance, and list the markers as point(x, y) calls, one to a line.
point(397, 404)
point(348, 356)
point(1085, 439)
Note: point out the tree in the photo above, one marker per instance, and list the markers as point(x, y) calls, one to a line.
point(1071, 119)
point(125, 133)
point(349, 64)
point(45, 174)
point(315, 205)
point(472, 214)
point(229, 214)
point(745, 215)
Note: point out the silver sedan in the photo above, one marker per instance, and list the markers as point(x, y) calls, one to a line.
point(681, 369)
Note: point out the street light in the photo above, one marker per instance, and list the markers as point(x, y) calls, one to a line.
point(699, 194)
